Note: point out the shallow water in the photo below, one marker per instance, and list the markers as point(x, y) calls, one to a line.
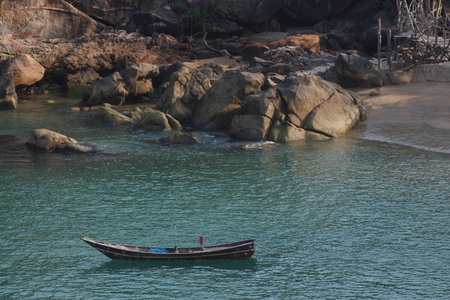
point(347, 218)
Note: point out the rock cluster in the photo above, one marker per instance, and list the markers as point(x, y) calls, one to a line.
point(299, 107)
point(129, 84)
point(286, 89)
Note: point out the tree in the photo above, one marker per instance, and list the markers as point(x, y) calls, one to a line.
point(203, 14)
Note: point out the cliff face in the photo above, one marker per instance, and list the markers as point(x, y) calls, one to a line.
point(74, 18)
point(114, 12)
point(314, 10)
point(44, 19)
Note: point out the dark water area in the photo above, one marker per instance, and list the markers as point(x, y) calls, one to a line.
point(350, 218)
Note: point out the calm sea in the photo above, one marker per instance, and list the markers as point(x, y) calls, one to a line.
point(353, 218)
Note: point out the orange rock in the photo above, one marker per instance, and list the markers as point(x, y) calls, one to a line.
point(309, 42)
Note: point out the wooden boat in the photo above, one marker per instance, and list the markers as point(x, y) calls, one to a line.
point(238, 250)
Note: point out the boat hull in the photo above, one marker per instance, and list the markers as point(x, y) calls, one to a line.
point(238, 250)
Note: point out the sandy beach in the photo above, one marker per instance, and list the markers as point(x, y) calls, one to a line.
point(413, 115)
point(427, 103)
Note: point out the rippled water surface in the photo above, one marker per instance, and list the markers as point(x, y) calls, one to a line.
point(348, 218)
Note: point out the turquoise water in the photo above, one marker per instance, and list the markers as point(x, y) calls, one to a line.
point(349, 218)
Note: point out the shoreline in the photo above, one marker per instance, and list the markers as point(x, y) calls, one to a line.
point(415, 115)
point(427, 103)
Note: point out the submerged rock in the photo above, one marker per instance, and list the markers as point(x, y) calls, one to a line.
point(179, 138)
point(155, 120)
point(113, 116)
point(8, 96)
point(45, 140)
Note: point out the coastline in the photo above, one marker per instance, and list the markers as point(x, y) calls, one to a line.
point(415, 115)
point(411, 103)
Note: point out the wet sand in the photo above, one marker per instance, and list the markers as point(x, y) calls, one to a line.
point(427, 103)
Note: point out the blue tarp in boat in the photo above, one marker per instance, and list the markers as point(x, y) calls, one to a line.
point(160, 250)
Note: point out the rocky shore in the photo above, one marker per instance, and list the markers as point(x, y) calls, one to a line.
point(277, 70)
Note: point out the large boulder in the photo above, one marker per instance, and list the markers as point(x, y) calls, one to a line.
point(110, 90)
point(45, 140)
point(354, 70)
point(44, 19)
point(250, 51)
point(160, 20)
point(313, 11)
point(185, 88)
point(155, 120)
point(114, 13)
point(301, 106)
point(256, 11)
point(334, 117)
point(24, 69)
point(8, 96)
point(113, 116)
point(250, 127)
point(223, 100)
point(138, 79)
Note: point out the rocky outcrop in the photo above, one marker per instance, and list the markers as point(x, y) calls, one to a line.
point(354, 70)
point(8, 96)
point(284, 54)
point(84, 60)
point(309, 42)
point(155, 120)
point(44, 19)
point(159, 20)
point(138, 79)
point(185, 88)
point(110, 90)
point(49, 141)
point(301, 106)
point(252, 50)
point(113, 13)
point(224, 99)
point(256, 11)
point(113, 116)
point(24, 70)
point(128, 84)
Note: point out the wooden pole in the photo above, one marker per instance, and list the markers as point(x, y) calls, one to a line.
point(389, 37)
point(379, 43)
point(436, 49)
